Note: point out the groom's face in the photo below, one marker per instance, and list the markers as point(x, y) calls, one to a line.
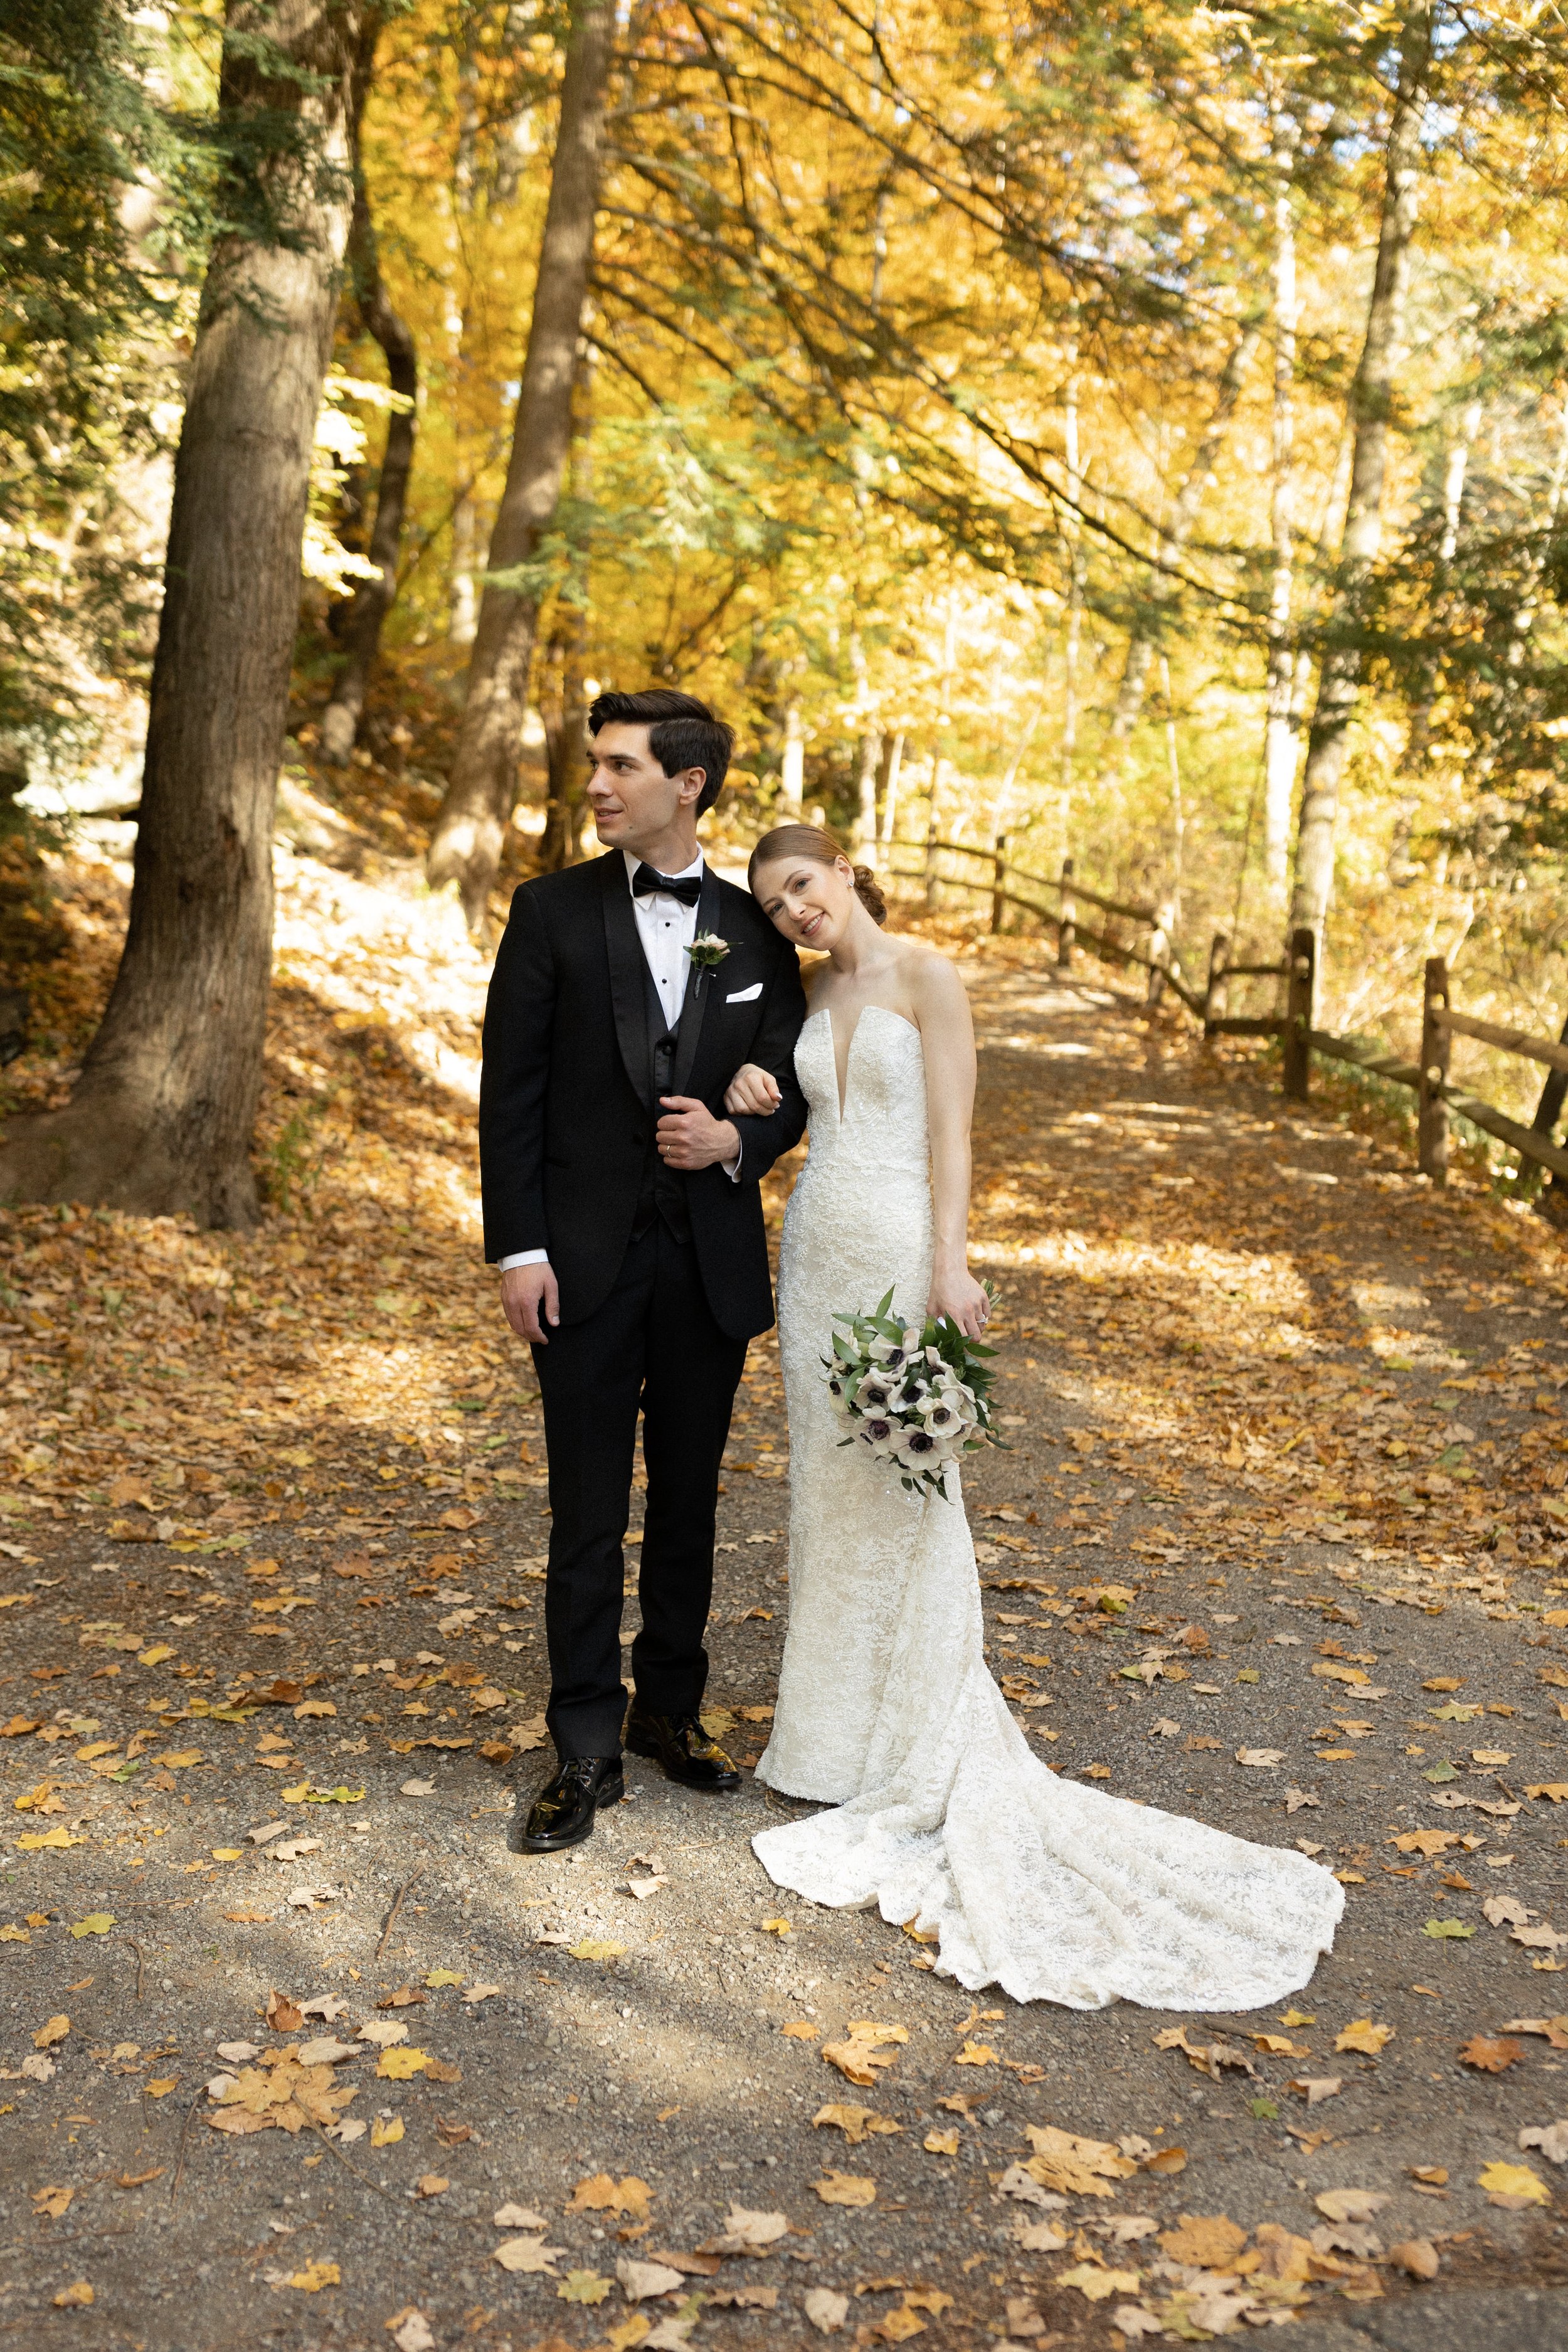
point(634, 802)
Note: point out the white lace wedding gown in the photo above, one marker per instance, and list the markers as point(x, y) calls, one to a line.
point(887, 1712)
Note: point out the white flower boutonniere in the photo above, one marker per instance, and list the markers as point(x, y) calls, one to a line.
point(708, 950)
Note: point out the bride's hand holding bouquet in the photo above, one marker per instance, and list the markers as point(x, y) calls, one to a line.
point(956, 1297)
point(915, 1397)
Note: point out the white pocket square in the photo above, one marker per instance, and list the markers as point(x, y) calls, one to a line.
point(744, 995)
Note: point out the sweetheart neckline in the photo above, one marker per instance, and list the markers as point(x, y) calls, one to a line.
point(825, 1013)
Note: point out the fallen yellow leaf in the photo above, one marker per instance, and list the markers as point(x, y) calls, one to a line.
point(401, 2065)
point(601, 2194)
point(855, 2123)
point(315, 2276)
point(867, 2047)
point(1098, 2285)
point(1363, 2036)
point(583, 2286)
point(529, 2255)
point(1072, 2167)
point(1514, 2180)
point(386, 2131)
point(846, 2189)
point(1209, 2241)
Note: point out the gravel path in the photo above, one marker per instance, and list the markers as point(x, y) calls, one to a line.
point(1247, 1512)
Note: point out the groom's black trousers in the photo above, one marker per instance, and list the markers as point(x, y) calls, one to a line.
point(653, 1346)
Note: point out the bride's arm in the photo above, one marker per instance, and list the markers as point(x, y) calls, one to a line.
point(947, 1034)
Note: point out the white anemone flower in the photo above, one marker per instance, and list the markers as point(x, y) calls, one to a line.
point(942, 1416)
point(919, 1450)
point(878, 1435)
point(877, 1391)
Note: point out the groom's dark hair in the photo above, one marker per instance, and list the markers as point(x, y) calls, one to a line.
point(681, 733)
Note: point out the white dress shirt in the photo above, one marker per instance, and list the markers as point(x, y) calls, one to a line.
point(667, 927)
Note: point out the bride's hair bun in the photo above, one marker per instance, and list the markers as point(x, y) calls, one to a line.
point(870, 895)
point(814, 843)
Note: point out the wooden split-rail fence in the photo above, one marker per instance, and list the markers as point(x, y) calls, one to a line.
point(1295, 974)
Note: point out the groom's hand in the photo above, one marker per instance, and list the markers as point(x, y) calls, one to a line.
point(691, 1137)
point(530, 1299)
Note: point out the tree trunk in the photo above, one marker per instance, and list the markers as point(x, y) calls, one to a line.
point(372, 599)
point(791, 767)
point(160, 1119)
point(1418, 742)
point(1072, 633)
point(469, 830)
point(892, 760)
point(1178, 530)
point(563, 706)
point(866, 794)
point(1280, 739)
point(1339, 676)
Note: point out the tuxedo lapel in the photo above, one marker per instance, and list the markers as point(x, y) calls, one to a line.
point(698, 987)
point(628, 974)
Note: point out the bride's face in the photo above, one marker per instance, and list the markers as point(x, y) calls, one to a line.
point(812, 905)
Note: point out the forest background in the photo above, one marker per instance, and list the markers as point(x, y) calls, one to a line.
point(1136, 430)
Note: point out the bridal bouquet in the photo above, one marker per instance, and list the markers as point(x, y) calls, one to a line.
point(917, 1398)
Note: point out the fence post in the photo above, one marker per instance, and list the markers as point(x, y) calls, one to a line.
point(1215, 992)
point(1299, 1015)
point(1548, 1111)
point(999, 879)
point(1436, 1043)
point(1159, 954)
point(1066, 920)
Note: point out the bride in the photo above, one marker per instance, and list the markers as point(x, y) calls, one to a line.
point(940, 1811)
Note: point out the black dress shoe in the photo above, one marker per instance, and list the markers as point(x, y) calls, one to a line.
point(680, 1743)
point(563, 1813)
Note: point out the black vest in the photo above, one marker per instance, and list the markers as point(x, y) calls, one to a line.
point(663, 1192)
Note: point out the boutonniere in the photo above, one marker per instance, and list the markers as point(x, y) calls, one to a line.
point(708, 950)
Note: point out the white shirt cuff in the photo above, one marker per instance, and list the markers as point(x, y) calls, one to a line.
point(522, 1257)
point(732, 1168)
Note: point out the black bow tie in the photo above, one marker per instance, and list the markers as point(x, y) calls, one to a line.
point(687, 888)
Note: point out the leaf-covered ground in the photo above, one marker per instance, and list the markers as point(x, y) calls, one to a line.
point(296, 2051)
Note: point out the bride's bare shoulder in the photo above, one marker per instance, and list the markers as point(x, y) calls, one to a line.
point(928, 977)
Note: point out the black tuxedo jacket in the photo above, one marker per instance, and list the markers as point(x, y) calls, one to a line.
point(567, 1104)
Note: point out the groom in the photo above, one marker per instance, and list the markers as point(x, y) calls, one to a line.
point(622, 1207)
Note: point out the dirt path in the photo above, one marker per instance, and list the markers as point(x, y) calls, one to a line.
point(1288, 1480)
